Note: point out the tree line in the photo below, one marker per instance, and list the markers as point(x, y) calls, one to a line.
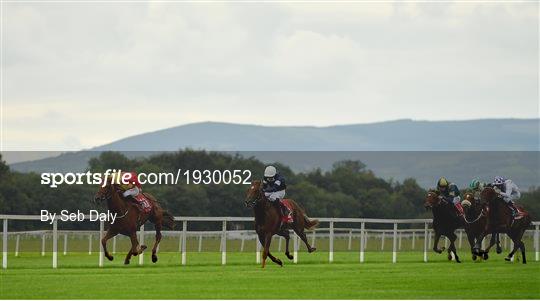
point(349, 189)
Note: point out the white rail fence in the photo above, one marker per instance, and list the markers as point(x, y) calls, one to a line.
point(362, 234)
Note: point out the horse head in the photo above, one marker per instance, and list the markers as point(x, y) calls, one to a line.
point(254, 193)
point(432, 199)
point(104, 193)
point(488, 195)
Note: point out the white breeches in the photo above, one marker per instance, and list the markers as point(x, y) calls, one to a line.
point(131, 192)
point(273, 196)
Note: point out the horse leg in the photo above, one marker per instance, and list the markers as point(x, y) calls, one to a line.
point(303, 237)
point(266, 251)
point(436, 243)
point(104, 240)
point(286, 235)
point(514, 249)
point(132, 251)
point(452, 247)
point(477, 249)
point(498, 242)
point(471, 240)
point(156, 243)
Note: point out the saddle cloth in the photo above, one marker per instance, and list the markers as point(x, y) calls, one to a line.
point(287, 219)
point(144, 202)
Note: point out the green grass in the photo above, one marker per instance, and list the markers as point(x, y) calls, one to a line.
point(29, 276)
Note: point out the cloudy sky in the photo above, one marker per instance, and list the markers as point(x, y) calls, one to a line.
point(83, 74)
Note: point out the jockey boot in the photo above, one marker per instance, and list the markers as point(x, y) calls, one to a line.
point(284, 210)
point(459, 209)
point(278, 206)
point(513, 209)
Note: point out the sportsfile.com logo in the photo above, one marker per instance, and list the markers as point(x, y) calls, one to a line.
point(113, 176)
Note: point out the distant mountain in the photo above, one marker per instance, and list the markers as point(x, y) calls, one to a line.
point(399, 135)
point(461, 141)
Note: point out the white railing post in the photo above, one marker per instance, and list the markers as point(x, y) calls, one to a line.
point(394, 245)
point(313, 235)
point(183, 241)
point(349, 246)
point(141, 242)
point(295, 250)
point(425, 241)
point(362, 241)
point(199, 249)
point(382, 241)
point(280, 240)
point(90, 244)
point(258, 250)
point(101, 254)
point(55, 244)
point(4, 243)
point(114, 245)
point(536, 247)
point(65, 243)
point(17, 245)
point(224, 243)
point(331, 243)
point(413, 240)
point(43, 244)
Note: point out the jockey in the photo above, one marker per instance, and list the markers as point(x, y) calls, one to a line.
point(132, 188)
point(476, 187)
point(508, 191)
point(274, 188)
point(450, 193)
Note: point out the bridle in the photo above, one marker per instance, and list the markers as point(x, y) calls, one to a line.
point(107, 197)
point(480, 215)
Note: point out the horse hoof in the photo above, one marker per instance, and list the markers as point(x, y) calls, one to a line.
point(110, 258)
point(474, 257)
point(312, 250)
point(289, 256)
point(499, 250)
point(507, 258)
point(449, 257)
point(280, 263)
point(154, 258)
point(485, 256)
point(457, 260)
point(126, 262)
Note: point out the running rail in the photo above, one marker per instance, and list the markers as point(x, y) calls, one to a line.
point(396, 239)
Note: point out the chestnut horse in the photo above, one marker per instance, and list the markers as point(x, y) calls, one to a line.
point(268, 222)
point(445, 222)
point(130, 218)
point(499, 219)
point(476, 220)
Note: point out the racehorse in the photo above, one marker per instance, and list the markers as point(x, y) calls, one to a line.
point(445, 222)
point(130, 218)
point(475, 224)
point(499, 219)
point(268, 222)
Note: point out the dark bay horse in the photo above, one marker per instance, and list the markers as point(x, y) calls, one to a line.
point(445, 222)
point(499, 219)
point(475, 224)
point(130, 218)
point(268, 222)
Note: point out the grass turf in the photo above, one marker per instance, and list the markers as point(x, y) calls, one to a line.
point(29, 276)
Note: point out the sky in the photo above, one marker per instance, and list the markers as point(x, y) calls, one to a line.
point(78, 75)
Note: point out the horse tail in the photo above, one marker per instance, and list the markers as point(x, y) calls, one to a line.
point(310, 224)
point(168, 220)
